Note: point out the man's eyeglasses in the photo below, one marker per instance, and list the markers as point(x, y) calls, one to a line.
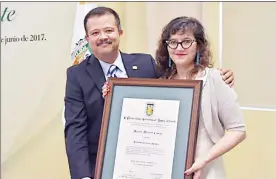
point(173, 44)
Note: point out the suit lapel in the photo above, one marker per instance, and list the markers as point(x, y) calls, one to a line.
point(94, 69)
point(130, 65)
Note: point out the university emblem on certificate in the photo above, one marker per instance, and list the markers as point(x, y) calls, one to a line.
point(149, 109)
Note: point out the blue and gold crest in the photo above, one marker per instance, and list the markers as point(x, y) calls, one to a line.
point(149, 109)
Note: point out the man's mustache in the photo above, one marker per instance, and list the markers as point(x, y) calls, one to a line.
point(106, 41)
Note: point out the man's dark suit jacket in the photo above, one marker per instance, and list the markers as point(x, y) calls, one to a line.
point(84, 108)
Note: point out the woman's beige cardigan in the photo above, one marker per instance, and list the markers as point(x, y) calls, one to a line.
point(220, 109)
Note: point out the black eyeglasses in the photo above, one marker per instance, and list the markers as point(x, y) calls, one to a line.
point(173, 44)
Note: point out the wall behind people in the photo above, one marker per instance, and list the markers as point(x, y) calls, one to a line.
point(142, 22)
point(248, 48)
point(35, 52)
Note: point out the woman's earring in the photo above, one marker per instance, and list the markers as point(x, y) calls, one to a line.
point(170, 62)
point(197, 58)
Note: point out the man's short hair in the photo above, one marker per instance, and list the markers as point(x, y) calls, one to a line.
point(99, 11)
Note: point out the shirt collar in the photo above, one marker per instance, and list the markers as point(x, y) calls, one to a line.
point(118, 62)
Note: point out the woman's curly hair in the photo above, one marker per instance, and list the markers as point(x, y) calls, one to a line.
point(183, 24)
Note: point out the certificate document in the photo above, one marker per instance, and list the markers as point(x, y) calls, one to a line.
point(146, 139)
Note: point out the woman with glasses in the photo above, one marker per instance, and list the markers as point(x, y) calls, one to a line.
point(183, 53)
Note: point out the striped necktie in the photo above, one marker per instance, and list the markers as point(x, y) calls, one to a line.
point(112, 71)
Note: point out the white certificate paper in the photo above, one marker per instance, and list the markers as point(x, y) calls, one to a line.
point(146, 140)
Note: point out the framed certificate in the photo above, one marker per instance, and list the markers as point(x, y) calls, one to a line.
point(149, 129)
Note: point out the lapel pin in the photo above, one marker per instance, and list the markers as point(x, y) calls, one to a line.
point(134, 67)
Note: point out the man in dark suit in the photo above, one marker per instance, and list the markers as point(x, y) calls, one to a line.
point(83, 99)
